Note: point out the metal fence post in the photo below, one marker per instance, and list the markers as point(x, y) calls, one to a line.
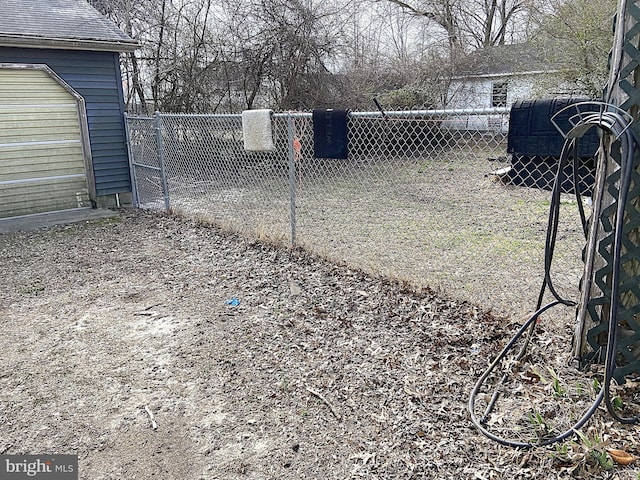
point(292, 177)
point(160, 154)
point(132, 168)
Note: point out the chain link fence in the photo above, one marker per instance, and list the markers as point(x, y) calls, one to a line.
point(430, 197)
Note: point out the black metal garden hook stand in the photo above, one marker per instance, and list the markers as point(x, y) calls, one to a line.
point(614, 123)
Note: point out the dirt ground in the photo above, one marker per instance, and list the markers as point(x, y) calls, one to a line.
point(155, 347)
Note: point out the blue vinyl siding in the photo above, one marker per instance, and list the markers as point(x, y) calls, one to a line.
point(95, 76)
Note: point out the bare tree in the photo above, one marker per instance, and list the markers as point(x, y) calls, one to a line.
point(199, 56)
point(205, 55)
point(281, 49)
point(443, 13)
point(190, 77)
point(129, 15)
point(472, 24)
point(577, 36)
point(495, 22)
point(177, 67)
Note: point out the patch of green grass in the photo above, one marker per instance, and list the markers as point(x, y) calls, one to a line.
point(561, 453)
point(595, 450)
point(500, 244)
point(540, 425)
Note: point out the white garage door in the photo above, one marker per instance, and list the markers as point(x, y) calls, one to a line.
point(42, 163)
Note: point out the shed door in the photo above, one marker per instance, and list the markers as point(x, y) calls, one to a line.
point(41, 156)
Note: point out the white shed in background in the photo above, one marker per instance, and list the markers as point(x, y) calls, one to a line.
point(498, 77)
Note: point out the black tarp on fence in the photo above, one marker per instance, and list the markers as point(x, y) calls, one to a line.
point(536, 144)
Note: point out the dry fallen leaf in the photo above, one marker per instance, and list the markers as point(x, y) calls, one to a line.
point(621, 457)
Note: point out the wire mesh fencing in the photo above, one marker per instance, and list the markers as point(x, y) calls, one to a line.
point(150, 189)
point(430, 197)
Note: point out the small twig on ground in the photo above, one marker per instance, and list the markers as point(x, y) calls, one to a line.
point(147, 310)
point(154, 424)
point(321, 397)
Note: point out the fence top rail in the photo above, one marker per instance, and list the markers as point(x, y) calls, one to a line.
point(137, 117)
point(438, 112)
point(388, 114)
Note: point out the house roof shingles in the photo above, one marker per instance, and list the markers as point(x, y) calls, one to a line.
point(504, 60)
point(61, 24)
